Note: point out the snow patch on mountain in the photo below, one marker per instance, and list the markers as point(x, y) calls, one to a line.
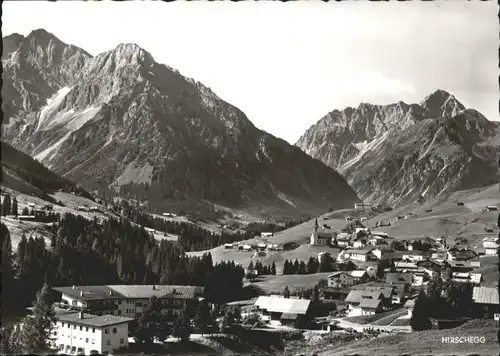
point(284, 198)
point(363, 148)
point(72, 122)
point(52, 105)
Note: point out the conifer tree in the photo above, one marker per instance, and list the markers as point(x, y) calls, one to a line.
point(273, 269)
point(152, 323)
point(14, 207)
point(182, 328)
point(202, 318)
point(286, 292)
point(37, 328)
point(420, 316)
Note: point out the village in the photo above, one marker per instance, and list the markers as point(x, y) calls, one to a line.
point(375, 274)
point(374, 284)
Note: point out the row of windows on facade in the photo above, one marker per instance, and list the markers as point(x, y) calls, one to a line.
point(108, 342)
point(106, 331)
point(139, 302)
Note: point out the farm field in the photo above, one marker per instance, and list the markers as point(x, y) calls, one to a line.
point(276, 284)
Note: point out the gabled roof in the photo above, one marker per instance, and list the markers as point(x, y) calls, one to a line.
point(283, 305)
point(338, 273)
point(131, 291)
point(405, 265)
point(393, 277)
point(358, 273)
point(357, 295)
point(370, 303)
point(94, 320)
point(485, 295)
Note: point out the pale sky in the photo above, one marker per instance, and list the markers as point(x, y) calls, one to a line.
point(286, 65)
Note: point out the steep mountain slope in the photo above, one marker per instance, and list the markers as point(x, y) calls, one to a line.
point(394, 153)
point(25, 175)
point(122, 121)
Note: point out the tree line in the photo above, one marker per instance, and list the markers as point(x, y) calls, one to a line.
point(113, 251)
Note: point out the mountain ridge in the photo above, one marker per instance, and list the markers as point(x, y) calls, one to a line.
point(394, 153)
point(122, 123)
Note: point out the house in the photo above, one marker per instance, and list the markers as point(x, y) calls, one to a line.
point(405, 266)
point(410, 216)
point(455, 254)
point(245, 248)
point(376, 240)
point(485, 301)
point(490, 246)
point(430, 265)
point(266, 234)
point(261, 246)
point(362, 302)
point(336, 293)
point(399, 277)
point(359, 254)
point(79, 333)
point(467, 277)
point(284, 311)
point(128, 300)
point(347, 279)
point(343, 239)
point(320, 238)
point(359, 243)
point(391, 293)
point(414, 255)
point(439, 256)
point(361, 206)
point(228, 246)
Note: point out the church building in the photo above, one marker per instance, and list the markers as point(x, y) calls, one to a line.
point(319, 238)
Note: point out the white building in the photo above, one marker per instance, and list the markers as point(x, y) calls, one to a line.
point(128, 300)
point(79, 333)
point(362, 302)
point(319, 238)
point(490, 246)
point(357, 254)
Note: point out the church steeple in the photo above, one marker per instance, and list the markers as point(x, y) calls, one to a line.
point(314, 235)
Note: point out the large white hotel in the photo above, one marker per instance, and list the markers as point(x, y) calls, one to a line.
point(95, 319)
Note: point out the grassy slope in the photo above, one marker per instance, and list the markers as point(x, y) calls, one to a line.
point(276, 284)
point(426, 343)
point(446, 218)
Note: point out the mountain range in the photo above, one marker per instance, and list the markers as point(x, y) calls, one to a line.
point(121, 123)
point(398, 153)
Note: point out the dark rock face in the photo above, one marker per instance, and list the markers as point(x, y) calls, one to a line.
point(121, 121)
point(392, 154)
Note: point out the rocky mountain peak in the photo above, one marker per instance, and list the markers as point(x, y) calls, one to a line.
point(441, 104)
point(121, 122)
point(11, 43)
point(133, 53)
